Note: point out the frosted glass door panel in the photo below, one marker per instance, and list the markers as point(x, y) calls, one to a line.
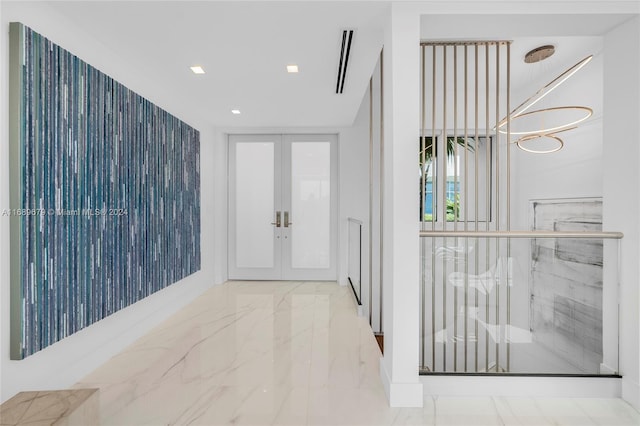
point(311, 205)
point(254, 194)
point(283, 219)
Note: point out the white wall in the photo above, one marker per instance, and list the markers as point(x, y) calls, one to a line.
point(399, 367)
point(64, 363)
point(621, 157)
point(219, 209)
point(354, 193)
point(573, 172)
point(67, 361)
point(576, 170)
point(354, 189)
point(352, 175)
point(620, 135)
point(377, 201)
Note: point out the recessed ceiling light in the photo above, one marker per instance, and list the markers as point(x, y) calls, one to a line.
point(197, 69)
point(292, 68)
point(235, 111)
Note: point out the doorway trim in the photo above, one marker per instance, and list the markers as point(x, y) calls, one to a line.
point(282, 171)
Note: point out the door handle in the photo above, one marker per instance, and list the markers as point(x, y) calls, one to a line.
point(277, 222)
point(286, 220)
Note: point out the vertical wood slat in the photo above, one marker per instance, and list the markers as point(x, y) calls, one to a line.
point(434, 183)
point(487, 199)
point(508, 207)
point(476, 197)
point(381, 195)
point(497, 174)
point(443, 199)
point(381, 185)
point(423, 197)
point(452, 307)
point(455, 192)
point(370, 202)
point(466, 208)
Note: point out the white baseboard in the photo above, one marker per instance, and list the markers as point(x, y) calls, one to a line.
point(401, 394)
point(64, 363)
point(605, 369)
point(631, 392)
point(523, 386)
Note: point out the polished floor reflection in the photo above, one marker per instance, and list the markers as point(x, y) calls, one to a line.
point(290, 353)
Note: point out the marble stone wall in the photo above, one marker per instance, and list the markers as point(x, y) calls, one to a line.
point(566, 283)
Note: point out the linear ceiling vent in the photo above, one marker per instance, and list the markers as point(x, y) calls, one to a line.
point(347, 36)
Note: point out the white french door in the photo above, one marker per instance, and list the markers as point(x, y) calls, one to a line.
point(282, 207)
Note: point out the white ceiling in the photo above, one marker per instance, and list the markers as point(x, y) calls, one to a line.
point(573, 36)
point(245, 47)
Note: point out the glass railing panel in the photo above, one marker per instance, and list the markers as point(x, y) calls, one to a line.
point(519, 304)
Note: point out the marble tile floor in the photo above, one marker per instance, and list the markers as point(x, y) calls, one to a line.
point(291, 353)
point(69, 407)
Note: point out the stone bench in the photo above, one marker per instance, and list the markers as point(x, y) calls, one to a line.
point(57, 407)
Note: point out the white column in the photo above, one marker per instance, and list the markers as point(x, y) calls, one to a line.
point(621, 156)
point(219, 155)
point(399, 367)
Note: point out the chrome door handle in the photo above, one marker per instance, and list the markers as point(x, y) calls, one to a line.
point(277, 222)
point(286, 220)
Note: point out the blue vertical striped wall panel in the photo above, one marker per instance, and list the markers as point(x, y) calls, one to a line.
point(110, 195)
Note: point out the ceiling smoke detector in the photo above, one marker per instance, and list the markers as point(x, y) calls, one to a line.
point(539, 54)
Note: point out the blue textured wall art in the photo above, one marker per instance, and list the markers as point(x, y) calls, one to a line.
point(105, 194)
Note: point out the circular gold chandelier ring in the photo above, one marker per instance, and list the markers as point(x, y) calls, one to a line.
point(588, 113)
point(544, 134)
point(537, 136)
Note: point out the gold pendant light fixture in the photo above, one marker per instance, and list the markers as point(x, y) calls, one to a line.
point(549, 120)
point(539, 54)
point(556, 144)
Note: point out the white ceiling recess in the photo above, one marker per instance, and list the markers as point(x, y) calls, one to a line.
point(573, 36)
point(244, 48)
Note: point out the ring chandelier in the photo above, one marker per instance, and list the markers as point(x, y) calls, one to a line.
point(584, 112)
point(521, 143)
point(553, 137)
point(549, 131)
